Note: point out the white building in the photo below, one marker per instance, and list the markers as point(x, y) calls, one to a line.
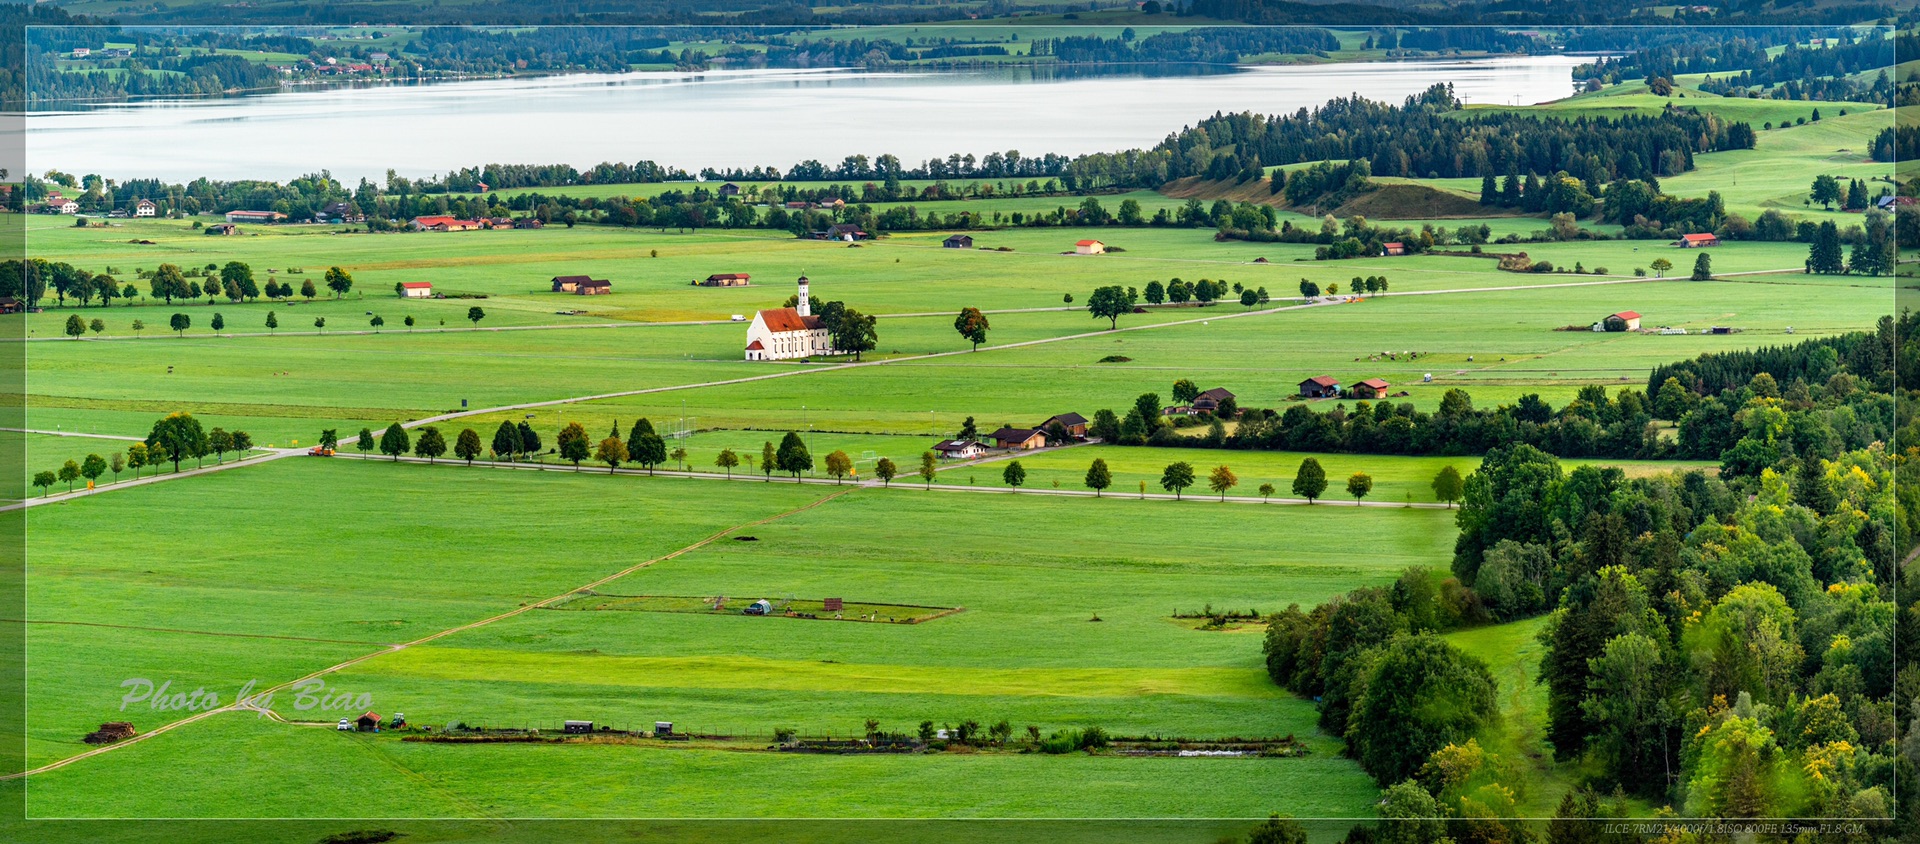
point(788, 333)
point(1089, 247)
point(144, 208)
point(416, 290)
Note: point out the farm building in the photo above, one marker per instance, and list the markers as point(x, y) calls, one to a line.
point(255, 216)
point(1372, 388)
point(1074, 423)
point(788, 333)
point(1212, 399)
point(369, 722)
point(576, 726)
point(60, 205)
point(568, 283)
point(593, 287)
point(958, 241)
point(145, 208)
point(1629, 320)
point(416, 289)
point(1394, 248)
point(959, 449)
point(843, 231)
point(10, 305)
point(1696, 241)
point(222, 229)
point(339, 212)
point(1089, 247)
point(1019, 439)
point(442, 224)
point(1320, 387)
point(726, 280)
point(729, 190)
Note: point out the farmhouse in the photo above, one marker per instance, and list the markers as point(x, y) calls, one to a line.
point(1089, 247)
point(959, 449)
point(416, 289)
point(958, 241)
point(1019, 439)
point(339, 212)
point(567, 283)
point(255, 216)
point(1394, 248)
point(845, 231)
point(1696, 241)
point(593, 287)
point(442, 224)
point(145, 208)
point(1212, 399)
point(61, 205)
point(726, 280)
point(1320, 387)
point(1372, 388)
point(223, 229)
point(788, 333)
point(1074, 423)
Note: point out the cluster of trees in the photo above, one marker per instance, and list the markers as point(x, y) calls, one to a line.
point(175, 438)
point(1750, 410)
point(1742, 64)
point(1207, 45)
point(31, 280)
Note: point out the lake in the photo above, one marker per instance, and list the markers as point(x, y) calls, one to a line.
point(718, 118)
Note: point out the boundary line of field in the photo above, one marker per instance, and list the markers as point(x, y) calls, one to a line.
point(251, 702)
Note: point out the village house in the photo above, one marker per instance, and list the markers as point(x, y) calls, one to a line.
point(726, 280)
point(1696, 241)
point(145, 208)
point(255, 216)
point(959, 449)
point(1212, 399)
point(1320, 387)
point(567, 283)
point(788, 333)
point(958, 241)
point(593, 287)
point(1089, 247)
point(57, 204)
point(1394, 248)
point(82, 52)
point(442, 224)
point(1074, 424)
point(1372, 388)
point(1019, 439)
point(416, 289)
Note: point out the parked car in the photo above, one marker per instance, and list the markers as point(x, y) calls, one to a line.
point(345, 725)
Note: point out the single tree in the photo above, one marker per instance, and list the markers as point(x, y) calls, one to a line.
point(679, 456)
point(69, 472)
point(330, 439)
point(572, 443)
point(1222, 479)
point(1660, 266)
point(136, 458)
point(45, 480)
point(1014, 475)
point(76, 327)
point(839, 465)
point(220, 442)
point(466, 446)
point(1358, 485)
point(929, 466)
point(93, 467)
point(506, 441)
point(117, 463)
point(475, 314)
point(180, 436)
point(431, 444)
point(376, 322)
point(793, 456)
point(726, 461)
point(273, 321)
point(1177, 477)
point(365, 442)
point(769, 460)
point(320, 324)
point(409, 323)
point(1310, 481)
point(339, 281)
point(1099, 477)
point(1703, 267)
point(1109, 303)
point(612, 452)
point(1447, 486)
point(218, 324)
point(972, 325)
point(180, 323)
point(242, 443)
point(307, 290)
point(1266, 492)
point(394, 441)
point(886, 471)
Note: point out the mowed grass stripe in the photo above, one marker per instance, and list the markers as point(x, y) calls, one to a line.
point(741, 672)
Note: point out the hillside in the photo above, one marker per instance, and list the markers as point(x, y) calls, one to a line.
point(1403, 200)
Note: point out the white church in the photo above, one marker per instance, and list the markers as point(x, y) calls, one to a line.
point(788, 333)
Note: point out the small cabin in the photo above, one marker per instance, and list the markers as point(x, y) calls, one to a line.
point(729, 190)
point(593, 287)
point(416, 289)
point(576, 727)
point(1697, 241)
point(1629, 320)
point(1019, 439)
point(959, 449)
point(1372, 388)
point(1074, 424)
point(1212, 399)
point(726, 280)
point(568, 283)
point(958, 241)
point(1089, 247)
point(1320, 387)
point(367, 723)
point(1394, 248)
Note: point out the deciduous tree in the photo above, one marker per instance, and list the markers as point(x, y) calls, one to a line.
point(1176, 477)
point(1310, 481)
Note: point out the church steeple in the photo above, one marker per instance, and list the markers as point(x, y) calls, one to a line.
point(804, 307)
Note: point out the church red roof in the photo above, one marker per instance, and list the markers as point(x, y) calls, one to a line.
point(788, 319)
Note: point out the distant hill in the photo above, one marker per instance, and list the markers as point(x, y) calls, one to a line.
point(1396, 201)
